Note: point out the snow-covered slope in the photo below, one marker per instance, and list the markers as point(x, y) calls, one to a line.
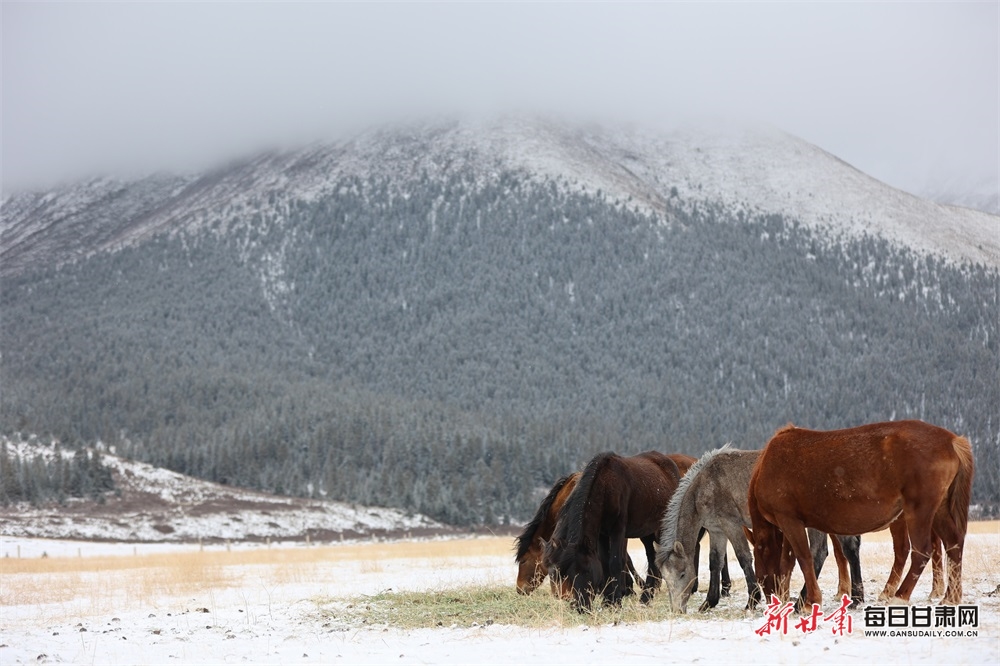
point(156, 505)
point(755, 170)
point(980, 194)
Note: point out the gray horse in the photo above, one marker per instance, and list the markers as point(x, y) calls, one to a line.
point(713, 495)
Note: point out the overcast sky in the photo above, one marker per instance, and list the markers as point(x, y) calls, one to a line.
point(903, 91)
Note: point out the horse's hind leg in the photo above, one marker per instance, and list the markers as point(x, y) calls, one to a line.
point(937, 568)
point(947, 531)
point(918, 524)
point(900, 549)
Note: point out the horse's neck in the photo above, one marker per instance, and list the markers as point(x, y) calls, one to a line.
point(546, 528)
point(688, 520)
point(592, 513)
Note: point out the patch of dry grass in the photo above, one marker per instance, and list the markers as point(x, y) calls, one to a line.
point(473, 606)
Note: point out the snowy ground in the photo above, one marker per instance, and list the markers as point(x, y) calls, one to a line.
point(279, 613)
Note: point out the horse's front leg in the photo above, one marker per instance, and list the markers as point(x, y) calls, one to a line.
point(819, 551)
point(716, 558)
point(727, 583)
point(744, 555)
point(852, 551)
point(631, 575)
point(697, 557)
point(786, 563)
point(617, 569)
point(795, 538)
point(844, 578)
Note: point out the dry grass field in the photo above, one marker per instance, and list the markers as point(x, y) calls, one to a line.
point(109, 583)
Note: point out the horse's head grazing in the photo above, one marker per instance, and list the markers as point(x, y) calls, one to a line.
point(578, 570)
point(530, 569)
point(767, 543)
point(679, 575)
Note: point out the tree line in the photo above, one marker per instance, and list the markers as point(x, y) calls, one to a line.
point(53, 476)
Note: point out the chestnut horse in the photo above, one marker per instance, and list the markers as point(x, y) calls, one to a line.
point(911, 476)
point(615, 499)
point(529, 544)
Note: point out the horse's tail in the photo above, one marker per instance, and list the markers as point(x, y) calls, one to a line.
point(960, 492)
point(523, 542)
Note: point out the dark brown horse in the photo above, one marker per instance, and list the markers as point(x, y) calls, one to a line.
point(615, 499)
point(911, 476)
point(528, 545)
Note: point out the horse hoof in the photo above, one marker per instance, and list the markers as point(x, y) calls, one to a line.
point(646, 598)
point(705, 606)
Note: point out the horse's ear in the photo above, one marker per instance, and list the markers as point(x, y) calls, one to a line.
point(749, 533)
point(678, 549)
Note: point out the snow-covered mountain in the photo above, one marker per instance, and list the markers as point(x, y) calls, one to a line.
point(151, 504)
point(752, 170)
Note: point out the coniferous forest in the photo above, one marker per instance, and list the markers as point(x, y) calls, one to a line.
point(454, 347)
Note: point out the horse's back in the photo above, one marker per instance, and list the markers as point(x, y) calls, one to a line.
point(724, 483)
point(886, 450)
point(666, 465)
point(651, 479)
point(683, 462)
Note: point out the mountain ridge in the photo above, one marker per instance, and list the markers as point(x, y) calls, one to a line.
point(756, 171)
point(448, 319)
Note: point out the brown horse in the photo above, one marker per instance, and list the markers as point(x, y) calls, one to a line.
point(529, 544)
point(911, 476)
point(615, 499)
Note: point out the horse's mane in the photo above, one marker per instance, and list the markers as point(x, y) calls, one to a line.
point(668, 527)
point(523, 542)
point(573, 511)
